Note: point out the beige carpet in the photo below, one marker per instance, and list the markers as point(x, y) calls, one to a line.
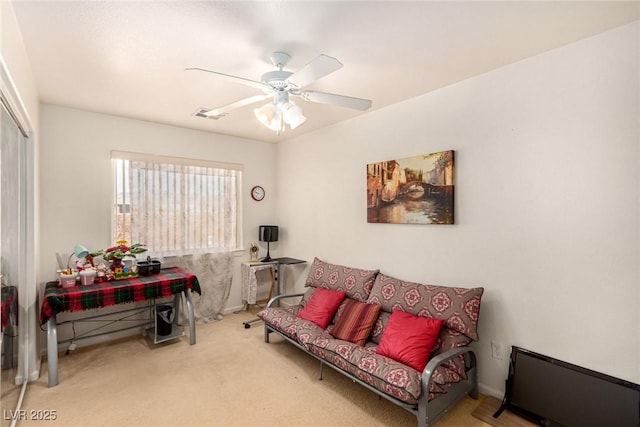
point(9, 392)
point(229, 378)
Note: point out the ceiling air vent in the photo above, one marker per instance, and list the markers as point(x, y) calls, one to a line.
point(202, 112)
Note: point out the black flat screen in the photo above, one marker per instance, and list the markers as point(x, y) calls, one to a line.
point(558, 393)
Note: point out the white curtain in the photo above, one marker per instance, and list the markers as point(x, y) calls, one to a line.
point(185, 211)
point(214, 272)
point(176, 206)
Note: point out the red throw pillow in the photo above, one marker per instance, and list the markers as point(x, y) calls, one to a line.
point(409, 339)
point(322, 306)
point(356, 321)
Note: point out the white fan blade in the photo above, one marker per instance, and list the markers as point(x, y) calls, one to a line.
point(220, 111)
point(248, 82)
point(340, 100)
point(314, 70)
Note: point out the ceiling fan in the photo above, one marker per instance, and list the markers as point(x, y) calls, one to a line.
point(281, 85)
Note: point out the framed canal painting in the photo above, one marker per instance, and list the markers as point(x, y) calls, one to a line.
point(415, 190)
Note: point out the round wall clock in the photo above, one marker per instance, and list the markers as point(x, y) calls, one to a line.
point(257, 193)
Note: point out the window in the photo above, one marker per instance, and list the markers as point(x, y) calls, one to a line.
point(176, 206)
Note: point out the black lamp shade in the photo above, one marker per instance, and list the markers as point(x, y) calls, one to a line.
point(268, 233)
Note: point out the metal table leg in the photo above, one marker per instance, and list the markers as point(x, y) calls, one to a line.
point(192, 323)
point(52, 350)
point(248, 323)
point(176, 309)
point(275, 283)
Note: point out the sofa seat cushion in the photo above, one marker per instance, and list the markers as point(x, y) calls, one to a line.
point(283, 319)
point(357, 283)
point(383, 373)
point(286, 320)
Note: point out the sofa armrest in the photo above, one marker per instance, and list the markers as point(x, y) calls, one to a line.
point(430, 410)
point(277, 298)
point(435, 362)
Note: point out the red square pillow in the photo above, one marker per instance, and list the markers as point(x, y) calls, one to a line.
point(409, 339)
point(356, 321)
point(322, 306)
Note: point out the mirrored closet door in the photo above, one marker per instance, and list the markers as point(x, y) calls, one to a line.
point(12, 253)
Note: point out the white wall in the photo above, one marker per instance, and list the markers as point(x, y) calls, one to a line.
point(547, 201)
point(76, 177)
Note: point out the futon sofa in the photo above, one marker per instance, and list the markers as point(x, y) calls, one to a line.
point(405, 341)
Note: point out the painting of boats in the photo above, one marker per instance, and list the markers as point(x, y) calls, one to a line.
point(414, 190)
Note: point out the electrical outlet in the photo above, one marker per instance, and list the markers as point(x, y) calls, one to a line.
point(497, 350)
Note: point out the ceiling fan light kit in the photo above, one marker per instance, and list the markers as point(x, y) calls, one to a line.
point(292, 115)
point(280, 112)
point(280, 85)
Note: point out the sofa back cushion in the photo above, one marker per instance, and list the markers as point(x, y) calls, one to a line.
point(458, 308)
point(357, 283)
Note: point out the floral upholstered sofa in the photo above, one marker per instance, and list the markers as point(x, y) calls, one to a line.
point(407, 342)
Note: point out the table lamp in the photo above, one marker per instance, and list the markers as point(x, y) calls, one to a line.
point(80, 252)
point(268, 233)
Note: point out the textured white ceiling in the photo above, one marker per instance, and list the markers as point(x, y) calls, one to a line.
point(128, 58)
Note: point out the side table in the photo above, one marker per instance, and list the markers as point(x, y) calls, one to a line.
point(250, 281)
point(274, 265)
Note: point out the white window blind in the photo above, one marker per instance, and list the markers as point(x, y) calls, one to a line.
point(176, 206)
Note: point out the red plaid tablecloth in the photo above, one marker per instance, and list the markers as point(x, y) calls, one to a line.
point(168, 282)
point(9, 307)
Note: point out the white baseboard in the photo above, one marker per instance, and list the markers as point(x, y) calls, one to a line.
point(490, 391)
point(35, 374)
point(229, 310)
